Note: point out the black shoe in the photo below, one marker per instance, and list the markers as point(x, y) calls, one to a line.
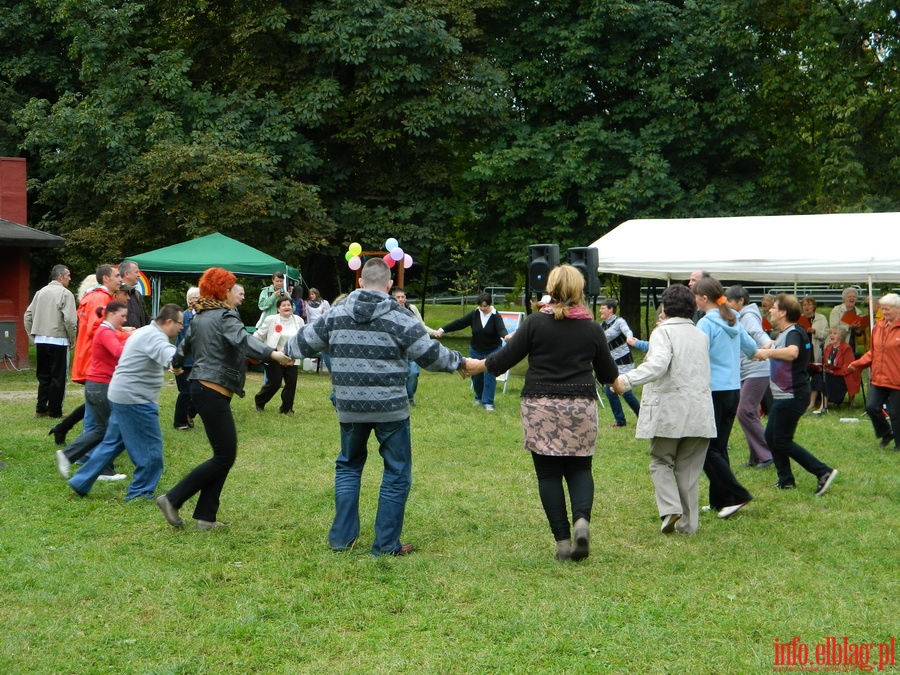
point(59, 435)
point(785, 486)
point(887, 440)
point(766, 464)
point(259, 408)
point(825, 482)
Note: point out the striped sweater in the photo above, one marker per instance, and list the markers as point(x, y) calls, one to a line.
point(370, 338)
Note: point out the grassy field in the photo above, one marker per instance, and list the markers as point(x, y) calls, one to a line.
point(97, 585)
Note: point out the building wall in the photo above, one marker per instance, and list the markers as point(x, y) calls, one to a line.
point(15, 270)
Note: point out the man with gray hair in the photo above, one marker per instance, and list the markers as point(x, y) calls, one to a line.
point(370, 337)
point(51, 322)
point(137, 313)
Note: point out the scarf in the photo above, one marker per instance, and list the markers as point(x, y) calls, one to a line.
point(575, 312)
point(204, 304)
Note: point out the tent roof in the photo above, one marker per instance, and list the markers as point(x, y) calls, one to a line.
point(214, 250)
point(14, 234)
point(826, 248)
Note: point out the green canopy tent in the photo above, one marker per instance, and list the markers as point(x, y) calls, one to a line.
point(214, 250)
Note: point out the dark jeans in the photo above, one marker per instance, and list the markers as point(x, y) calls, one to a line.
point(67, 423)
point(275, 373)
point(184, 407)
point(724, 488)
point(783, 419)
point(209, 477)
point(95, 397)
point(52, 365)
point(394, 446)
point(616, 405)
point(874, 407)
point(550, 472)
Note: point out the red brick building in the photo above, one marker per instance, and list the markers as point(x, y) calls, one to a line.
point(16, 241)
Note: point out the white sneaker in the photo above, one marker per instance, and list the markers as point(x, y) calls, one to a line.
point(107, 478)
point(489, 407)
point(668, 523)
point(63, 464)
point(729, 511)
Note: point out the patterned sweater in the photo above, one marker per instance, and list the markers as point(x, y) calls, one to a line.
point(370, 337)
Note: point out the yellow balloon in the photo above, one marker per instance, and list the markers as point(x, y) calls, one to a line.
point(355, 248)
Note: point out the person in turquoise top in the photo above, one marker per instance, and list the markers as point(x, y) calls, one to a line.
point(727, 339)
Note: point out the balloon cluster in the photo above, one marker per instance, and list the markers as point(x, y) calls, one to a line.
point(394, 255)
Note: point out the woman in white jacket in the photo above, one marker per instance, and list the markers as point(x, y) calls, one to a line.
point(676, 409)
point(275, 331)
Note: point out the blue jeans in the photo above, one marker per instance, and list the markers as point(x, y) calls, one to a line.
point(396, 451)
point(616, 405)
point(134, 426)
point(96, 418)
point(412, 380)
point(485, 384)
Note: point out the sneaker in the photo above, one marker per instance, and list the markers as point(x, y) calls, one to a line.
point(729, 511)
point(706, 508)
point(63, 464)
point(211, 525)
point(111, 477)
point(785, 486)
point(476, 402)
point(668, 523)
point(766, 464)
point(749, 465)
point(825, 482)
point(489, 407)
point(412, 403)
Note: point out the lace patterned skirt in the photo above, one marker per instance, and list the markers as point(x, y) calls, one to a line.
point(560, 426)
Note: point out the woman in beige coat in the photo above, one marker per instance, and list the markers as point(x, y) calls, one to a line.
point(676, 410)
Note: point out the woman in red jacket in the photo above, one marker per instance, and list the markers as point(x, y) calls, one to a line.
point(884, 382)
point(839, 381)
point(106, 348)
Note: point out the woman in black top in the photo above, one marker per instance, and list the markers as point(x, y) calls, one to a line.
point(488, 332)
point(566, 351)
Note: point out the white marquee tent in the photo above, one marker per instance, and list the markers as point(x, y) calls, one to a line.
point(835, 248)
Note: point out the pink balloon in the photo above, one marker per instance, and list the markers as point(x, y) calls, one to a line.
point(407, 260)
point(397, 253)
point(354, 263)
point(389, 260)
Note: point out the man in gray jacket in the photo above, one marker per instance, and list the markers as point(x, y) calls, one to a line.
point(134, 402)
point(370, 337)
point(51, 321)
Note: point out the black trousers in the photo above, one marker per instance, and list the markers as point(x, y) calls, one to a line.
point(275, 373)
point(878, 396)
point(184, 407)
point(52, 367)
point(724, 488)
point(209, 477)
point(576, 471)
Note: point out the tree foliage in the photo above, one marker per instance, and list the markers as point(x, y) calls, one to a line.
point(473, 126)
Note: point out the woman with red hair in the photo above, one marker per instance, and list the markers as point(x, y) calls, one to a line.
point(220, 345)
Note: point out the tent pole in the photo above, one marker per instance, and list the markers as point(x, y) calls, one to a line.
point(156, 286)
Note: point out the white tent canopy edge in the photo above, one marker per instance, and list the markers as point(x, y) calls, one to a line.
point(830, 248)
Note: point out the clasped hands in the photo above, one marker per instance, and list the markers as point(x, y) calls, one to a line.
point(618, 386)
point(471, 367)
point(281, 358)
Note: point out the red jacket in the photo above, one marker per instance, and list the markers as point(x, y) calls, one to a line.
point(105, 354)
point(841, 361)
point(884, 356)
point(87, 326)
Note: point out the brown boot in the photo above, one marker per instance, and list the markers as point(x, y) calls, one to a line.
point(582, 538)
point(564, 549)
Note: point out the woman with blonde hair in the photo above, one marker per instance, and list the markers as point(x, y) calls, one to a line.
point(567, 353)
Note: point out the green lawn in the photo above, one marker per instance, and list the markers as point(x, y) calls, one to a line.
point(97, 585)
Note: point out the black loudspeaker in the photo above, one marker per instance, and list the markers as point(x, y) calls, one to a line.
point(586, 259)
point(543, 258)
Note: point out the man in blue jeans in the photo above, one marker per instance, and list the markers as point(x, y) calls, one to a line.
point(134, 403)
point(617, 334)
point(370, 338)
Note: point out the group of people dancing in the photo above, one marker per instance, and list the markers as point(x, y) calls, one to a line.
point(697, 379)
